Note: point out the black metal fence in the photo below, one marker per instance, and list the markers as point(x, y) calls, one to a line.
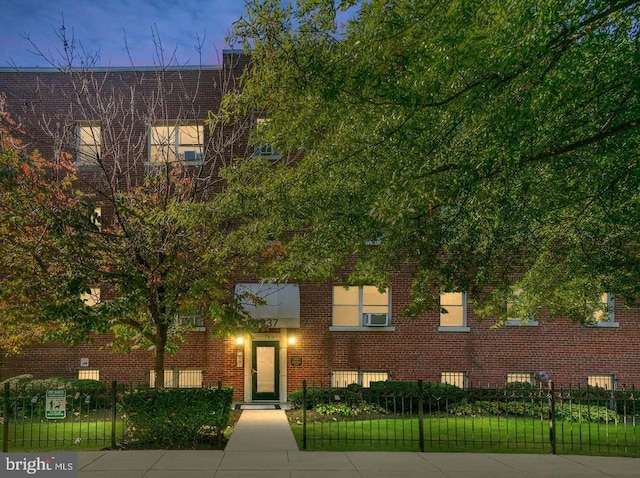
point(438, 417)
point(67, 415)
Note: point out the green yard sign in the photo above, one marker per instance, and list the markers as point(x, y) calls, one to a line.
point(56, 404)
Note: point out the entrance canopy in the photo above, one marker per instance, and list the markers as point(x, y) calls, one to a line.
point(277, 304)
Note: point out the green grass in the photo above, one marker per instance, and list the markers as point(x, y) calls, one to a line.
point(61, 435)
point(477, 434)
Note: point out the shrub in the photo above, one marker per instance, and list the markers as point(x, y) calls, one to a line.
point(344, 410)
point(352, 396)
point(402, 396)
point(569, 412)
point(175, 417)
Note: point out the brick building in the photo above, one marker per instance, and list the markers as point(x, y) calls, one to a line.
point(324, 333)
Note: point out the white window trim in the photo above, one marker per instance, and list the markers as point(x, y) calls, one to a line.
point(604, 324)
point(457, 328)
point(465, 378)
point(175, 131)
point(361, 376)
point(96, 146)
point(361, 327)
point(531, 381)
point(518, 322)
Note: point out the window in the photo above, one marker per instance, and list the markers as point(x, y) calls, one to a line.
point(96, 218)
point(343, 378)
point(459, 379)
point(265, 150)
point(517, 320)
point(193, 321)
point(88, 374)
point(92, 297)
point(169, 143)
point(88, 144)
point(522, 377)
point(453, 312)
point(604, 316)
point(360, 306)
point(178, 378)
point(606, 381)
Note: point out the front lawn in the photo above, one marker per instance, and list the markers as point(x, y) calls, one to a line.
point(468, 434)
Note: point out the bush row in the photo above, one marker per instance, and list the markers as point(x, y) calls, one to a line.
point(175, 417)
point(563, 411)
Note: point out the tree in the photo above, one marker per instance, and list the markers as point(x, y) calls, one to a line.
point(32, 212)
point(131, 257)
point(491, 145)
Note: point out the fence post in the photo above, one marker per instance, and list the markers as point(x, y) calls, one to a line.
point(114, 413)
point(552, 417)
point(5, 418)
point(420, 415)
point(304, 414)
point(220, 431)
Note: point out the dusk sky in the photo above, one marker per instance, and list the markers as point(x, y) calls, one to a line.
point(102, 26)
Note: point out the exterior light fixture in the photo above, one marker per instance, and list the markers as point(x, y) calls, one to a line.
point(292, 340)
point(239, 340)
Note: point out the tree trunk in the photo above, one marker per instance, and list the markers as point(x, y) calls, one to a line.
point(158, 367)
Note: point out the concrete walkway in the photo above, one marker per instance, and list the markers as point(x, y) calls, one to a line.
point(262, 430)
point(262, 446)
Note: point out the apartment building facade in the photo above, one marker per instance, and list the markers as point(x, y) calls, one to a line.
point(327, 333)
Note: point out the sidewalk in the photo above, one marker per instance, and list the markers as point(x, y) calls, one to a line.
point(262, 445)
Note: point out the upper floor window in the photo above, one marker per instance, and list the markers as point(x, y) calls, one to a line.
point(88, 144)
point(360, 306)
point(603, 315)
point(175, 142)
point(92, 297)
point(453, 311)
point(265, 150)
point(512, 316)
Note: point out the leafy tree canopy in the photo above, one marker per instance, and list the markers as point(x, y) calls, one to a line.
point(490, 144)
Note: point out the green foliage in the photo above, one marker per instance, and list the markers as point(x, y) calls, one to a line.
point(344, 410)
point(318, 396)
point(27, 396)
point(483, 142)
point(566, 411)
point(175, 418)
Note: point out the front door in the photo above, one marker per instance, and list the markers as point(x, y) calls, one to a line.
point(265, 371)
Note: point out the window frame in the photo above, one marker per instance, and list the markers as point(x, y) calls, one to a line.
point(265, 151)
point(95, 147)
point(597, 377)
point(609, 302)
point(174, 143)
point(454, 328)
point(517, 321)
point(458, 375)
point(173, 378)
point(512, 377)
point(361, 305)
point(92, 298)
point(364, 376)
point(88, 374)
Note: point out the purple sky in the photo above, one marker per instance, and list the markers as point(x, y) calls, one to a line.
point(102, 25)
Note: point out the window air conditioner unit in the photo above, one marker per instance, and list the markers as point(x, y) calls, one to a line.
point(192, 156)
point(376, 320)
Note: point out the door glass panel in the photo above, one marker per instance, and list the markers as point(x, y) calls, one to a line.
point(265, 366)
